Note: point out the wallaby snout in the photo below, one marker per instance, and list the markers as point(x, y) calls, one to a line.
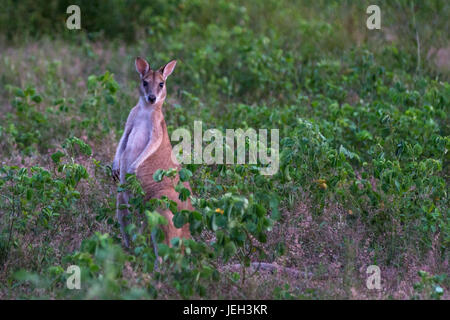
point(151, 98)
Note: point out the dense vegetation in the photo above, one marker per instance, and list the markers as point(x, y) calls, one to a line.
point(364, 139)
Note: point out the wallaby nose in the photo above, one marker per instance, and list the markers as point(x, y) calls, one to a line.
point(151, 98)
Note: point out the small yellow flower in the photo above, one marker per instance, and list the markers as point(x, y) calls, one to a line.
point(350, 212)
point(322, 183)
point(218, 210)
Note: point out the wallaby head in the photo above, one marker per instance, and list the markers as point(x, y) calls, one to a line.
point(152, 87)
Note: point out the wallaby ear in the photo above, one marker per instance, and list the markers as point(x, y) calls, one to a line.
point(142, 66)
point(168, 68)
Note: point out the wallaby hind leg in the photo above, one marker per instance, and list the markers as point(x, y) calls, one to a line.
point(170, 231)
point(158, 260)
point(122, 199)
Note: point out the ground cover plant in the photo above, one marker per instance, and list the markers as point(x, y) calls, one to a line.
point(364, 138)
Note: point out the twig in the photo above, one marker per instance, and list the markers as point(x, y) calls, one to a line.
point(270, 267)
point(417, 37)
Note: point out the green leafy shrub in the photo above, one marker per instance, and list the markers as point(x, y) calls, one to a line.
point(34, 200)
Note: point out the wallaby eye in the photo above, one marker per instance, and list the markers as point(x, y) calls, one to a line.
point(161, 84)
point(145, 83)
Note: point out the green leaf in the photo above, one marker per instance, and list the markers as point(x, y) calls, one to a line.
point(37, 98)
point(158, 175)
point(273, 203)
point(19, 93)
point(229, 250)
point(179, 220)
point(56, 157)
point(185, 174)
point(184, 194)
point(214, 226)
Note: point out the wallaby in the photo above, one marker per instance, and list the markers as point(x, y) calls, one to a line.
point(145, 147)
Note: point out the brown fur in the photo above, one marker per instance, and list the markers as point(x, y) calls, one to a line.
point(161, 159)
point(145, 147)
